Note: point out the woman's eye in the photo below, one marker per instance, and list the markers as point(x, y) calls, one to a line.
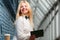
point(21, 6)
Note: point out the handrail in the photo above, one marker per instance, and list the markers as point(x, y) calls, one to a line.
point(51, 20)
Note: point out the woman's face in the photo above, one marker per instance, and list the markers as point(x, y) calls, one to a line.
point(24, 8)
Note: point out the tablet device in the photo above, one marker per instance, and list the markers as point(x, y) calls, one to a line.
point(38, 33)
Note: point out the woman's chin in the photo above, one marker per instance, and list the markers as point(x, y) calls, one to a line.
point(25, 13)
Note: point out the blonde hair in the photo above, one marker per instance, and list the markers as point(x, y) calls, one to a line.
point(29, 12)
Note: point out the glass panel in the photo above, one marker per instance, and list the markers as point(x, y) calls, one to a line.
point(36, 19)
point(39, 12)
point(52, 2)
point(33, 3)
point(45, 4)
point(38, 15)
point(42, 7)
point(49, 2)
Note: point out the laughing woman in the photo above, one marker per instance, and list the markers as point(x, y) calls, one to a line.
point(24, 21)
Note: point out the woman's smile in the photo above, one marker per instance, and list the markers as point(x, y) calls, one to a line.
point(24, 8)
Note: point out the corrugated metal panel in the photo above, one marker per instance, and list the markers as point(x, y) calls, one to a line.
point(7, 18)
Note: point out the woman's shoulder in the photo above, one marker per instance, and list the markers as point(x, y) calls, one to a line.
point(19, 19)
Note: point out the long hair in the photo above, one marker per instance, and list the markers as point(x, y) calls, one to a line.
point(29, 12)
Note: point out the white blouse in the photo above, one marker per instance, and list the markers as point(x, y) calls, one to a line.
point(23, 28)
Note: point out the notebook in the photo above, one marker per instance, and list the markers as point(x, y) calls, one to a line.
point(38, 33)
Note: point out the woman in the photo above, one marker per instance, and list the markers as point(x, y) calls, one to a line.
point(24, 21)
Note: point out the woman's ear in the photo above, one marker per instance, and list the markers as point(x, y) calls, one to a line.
point(32, 37)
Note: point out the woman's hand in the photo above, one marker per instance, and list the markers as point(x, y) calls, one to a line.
point(32, 37)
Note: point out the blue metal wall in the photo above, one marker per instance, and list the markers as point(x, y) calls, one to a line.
point(7, 17)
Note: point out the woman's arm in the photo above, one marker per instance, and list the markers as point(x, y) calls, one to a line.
point(24, 36)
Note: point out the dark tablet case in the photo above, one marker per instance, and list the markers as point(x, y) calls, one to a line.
point(38, 33)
